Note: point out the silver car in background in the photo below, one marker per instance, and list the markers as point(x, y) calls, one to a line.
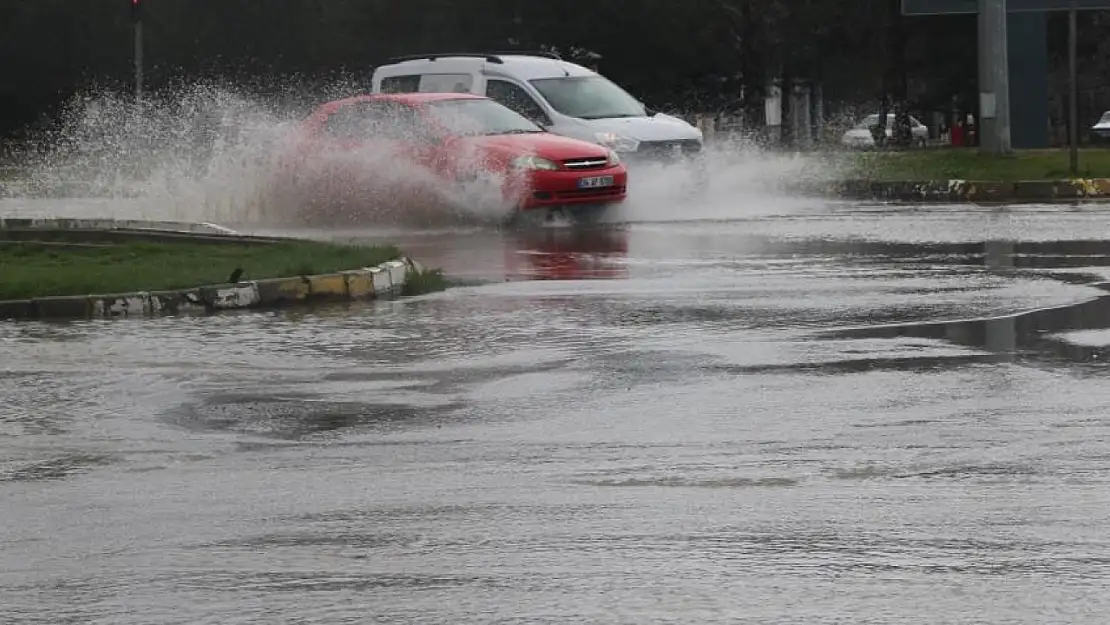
point(1100, 132)
point(859, 136)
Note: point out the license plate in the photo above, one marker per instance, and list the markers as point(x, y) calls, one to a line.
point(595, 182)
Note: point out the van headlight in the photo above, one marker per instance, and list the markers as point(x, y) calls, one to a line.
point(532, 162)
point(614, 159)
point(617, 142)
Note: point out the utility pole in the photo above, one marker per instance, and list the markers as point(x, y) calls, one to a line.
point(1073, 92)
point(137, 23)
point(994, 78)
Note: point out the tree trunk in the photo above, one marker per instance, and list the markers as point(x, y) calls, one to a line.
point(787, 117)
point(752, 76)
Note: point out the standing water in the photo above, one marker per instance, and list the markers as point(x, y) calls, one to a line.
point(774, 412)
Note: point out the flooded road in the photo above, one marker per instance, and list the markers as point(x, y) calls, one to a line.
point(829, 414)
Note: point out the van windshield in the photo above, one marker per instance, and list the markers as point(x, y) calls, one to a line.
point(588, 97)
point(479, 117)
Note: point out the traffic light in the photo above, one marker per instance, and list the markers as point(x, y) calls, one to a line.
point(136, 10)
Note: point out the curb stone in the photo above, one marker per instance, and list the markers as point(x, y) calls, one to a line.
point(956, 190)
point(384, 281)
point(65, 223)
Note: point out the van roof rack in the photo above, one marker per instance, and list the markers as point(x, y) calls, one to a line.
point(542, 53)
point(491, 57)
point(438, 55)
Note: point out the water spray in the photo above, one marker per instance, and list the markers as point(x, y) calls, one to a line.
point(212, 152)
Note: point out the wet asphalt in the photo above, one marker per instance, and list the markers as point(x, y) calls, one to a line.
point(812, 413)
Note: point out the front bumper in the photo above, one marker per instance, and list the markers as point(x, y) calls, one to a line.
point(664, 153)
point(546, 189)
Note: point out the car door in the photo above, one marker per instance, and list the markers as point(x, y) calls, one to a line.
point(361, 136)
point(513, 96)
point(416, 138)
point(355, 124)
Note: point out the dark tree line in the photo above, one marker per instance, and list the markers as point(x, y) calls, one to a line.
point(697, 54)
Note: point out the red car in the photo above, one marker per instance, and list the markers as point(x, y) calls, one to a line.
point(456, 139)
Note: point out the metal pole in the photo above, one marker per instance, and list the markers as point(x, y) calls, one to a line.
point(138, 61)
point(996, 99)
point(985, 122)
point(1002, 81)
point(994, 78)
point(1073, 88)
point(137, 20)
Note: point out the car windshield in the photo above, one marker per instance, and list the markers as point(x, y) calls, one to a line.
point(479, 117)
point(588, 97)
point(873, 119)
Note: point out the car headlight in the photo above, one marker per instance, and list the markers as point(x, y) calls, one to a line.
point(617, 142)
point(614, 159)
point(534, 163)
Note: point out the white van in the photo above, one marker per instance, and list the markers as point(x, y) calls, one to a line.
point(563, 98)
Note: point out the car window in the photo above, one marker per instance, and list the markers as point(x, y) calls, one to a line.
point(401, 84)
point(1105, 118)
point(446, 83)
point(362, 121)
point(588, 97)
point(868, 121)
point(473, 116)
point(514, 96)
point(873, 119)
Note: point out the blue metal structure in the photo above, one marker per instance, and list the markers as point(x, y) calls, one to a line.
point(1027, 58)
point(957, 7)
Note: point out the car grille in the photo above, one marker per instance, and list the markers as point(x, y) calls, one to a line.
point(666, 150)
point(579, 164)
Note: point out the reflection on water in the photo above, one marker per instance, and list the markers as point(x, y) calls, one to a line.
point(1036, 334)
point(570, 254)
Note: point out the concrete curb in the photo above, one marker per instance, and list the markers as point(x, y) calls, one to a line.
point(384, 281)
point(964, 190)
point(29, 223)
point(40, 188)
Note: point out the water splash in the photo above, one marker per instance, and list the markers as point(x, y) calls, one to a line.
point(201, 154)
point(740, 179)
point(215, 153)
point(371, 185)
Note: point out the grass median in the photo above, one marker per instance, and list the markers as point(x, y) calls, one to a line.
point(34, 269)
point(971, 164)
